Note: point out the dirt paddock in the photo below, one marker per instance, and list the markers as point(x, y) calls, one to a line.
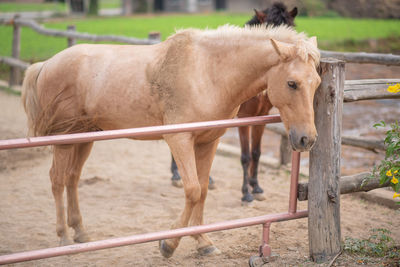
point(125, 189)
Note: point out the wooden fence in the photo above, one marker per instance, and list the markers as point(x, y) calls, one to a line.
point(325, 185)
point(70, 34)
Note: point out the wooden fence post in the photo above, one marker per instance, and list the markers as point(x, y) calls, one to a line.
point(71, 41)
point(127, 7)
point(324, 191)
point(15, 74)
point(285, 151)
point(155, 36)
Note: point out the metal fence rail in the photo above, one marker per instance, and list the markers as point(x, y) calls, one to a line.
point(134, 132)
point(265, 220)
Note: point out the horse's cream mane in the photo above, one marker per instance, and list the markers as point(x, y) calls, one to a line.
point(234, 34)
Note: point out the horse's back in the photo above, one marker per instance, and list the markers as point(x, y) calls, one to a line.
point(104, 84)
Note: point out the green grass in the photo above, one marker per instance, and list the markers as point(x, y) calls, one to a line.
point(339, 29)
point(22, 7)
point(57, 7)
point(37, 47)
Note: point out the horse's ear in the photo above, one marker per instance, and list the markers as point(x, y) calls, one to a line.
point(313, 40)
point(261, 16)
point(284, 50)
point(293, 12)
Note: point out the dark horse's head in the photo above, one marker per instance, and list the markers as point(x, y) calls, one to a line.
point(275, 15)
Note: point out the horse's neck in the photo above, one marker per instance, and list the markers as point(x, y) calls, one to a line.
point(241, 69)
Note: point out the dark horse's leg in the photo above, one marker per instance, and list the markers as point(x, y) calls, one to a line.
point(256, 135)
point(245, 160)
point(176, 178)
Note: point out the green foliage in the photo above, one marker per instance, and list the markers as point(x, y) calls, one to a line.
point(313, 8)
point(110, 3)
point(389, 168)
point(379, 244)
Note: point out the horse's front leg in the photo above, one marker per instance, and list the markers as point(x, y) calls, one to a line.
point(182, 149)
point(245, 158)
point(256, 136)
point(176, 178)
point(204, 157)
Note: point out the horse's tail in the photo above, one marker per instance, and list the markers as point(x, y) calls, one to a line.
point(30, 98)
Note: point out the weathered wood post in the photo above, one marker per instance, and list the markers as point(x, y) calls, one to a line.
point(155, 36)
point(15, 74)
point(285, 151)
point(324, 191)
point(150, 6)
point(71, 41)
point(127, 7)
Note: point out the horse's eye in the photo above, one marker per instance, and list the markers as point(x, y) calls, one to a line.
point(292, 84)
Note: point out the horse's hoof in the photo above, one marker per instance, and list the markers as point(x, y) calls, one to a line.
point(165, 250)
point(259, 197)
point(257, 190)
point(247, 198)
point(256, 261)
point(66, 241)
point(177, 183)
point(211, 184)
point(209, 251)
point(81, 237)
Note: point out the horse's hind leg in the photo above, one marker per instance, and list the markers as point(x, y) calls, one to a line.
point(67, 165)
point(245, 158)
point(57, 177)
point(256, 136)
point(204, 157)
point(80, 154)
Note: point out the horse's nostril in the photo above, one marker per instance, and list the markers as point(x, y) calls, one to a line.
point(304, 141)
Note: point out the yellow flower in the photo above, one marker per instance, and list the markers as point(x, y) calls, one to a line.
point(394, 88)
point(389, 173)
point(395, 172)
point(396, 195)
point(394, 180)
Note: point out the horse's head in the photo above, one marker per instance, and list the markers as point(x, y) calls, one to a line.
point(276, 15)
point(291, 87)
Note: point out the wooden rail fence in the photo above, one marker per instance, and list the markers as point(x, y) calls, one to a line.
point(71, 34)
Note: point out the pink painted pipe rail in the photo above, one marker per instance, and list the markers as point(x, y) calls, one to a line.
point(134, 132)
point(142, 238)
point(266, 220)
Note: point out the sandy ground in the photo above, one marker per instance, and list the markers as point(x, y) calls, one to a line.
point(125, 189)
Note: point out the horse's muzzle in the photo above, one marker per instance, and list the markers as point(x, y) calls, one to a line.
point(301, 142)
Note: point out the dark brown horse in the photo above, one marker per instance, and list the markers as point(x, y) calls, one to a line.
point(250, 136)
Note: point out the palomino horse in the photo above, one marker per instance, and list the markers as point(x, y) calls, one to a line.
point(193, 76)
point(259, 105)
